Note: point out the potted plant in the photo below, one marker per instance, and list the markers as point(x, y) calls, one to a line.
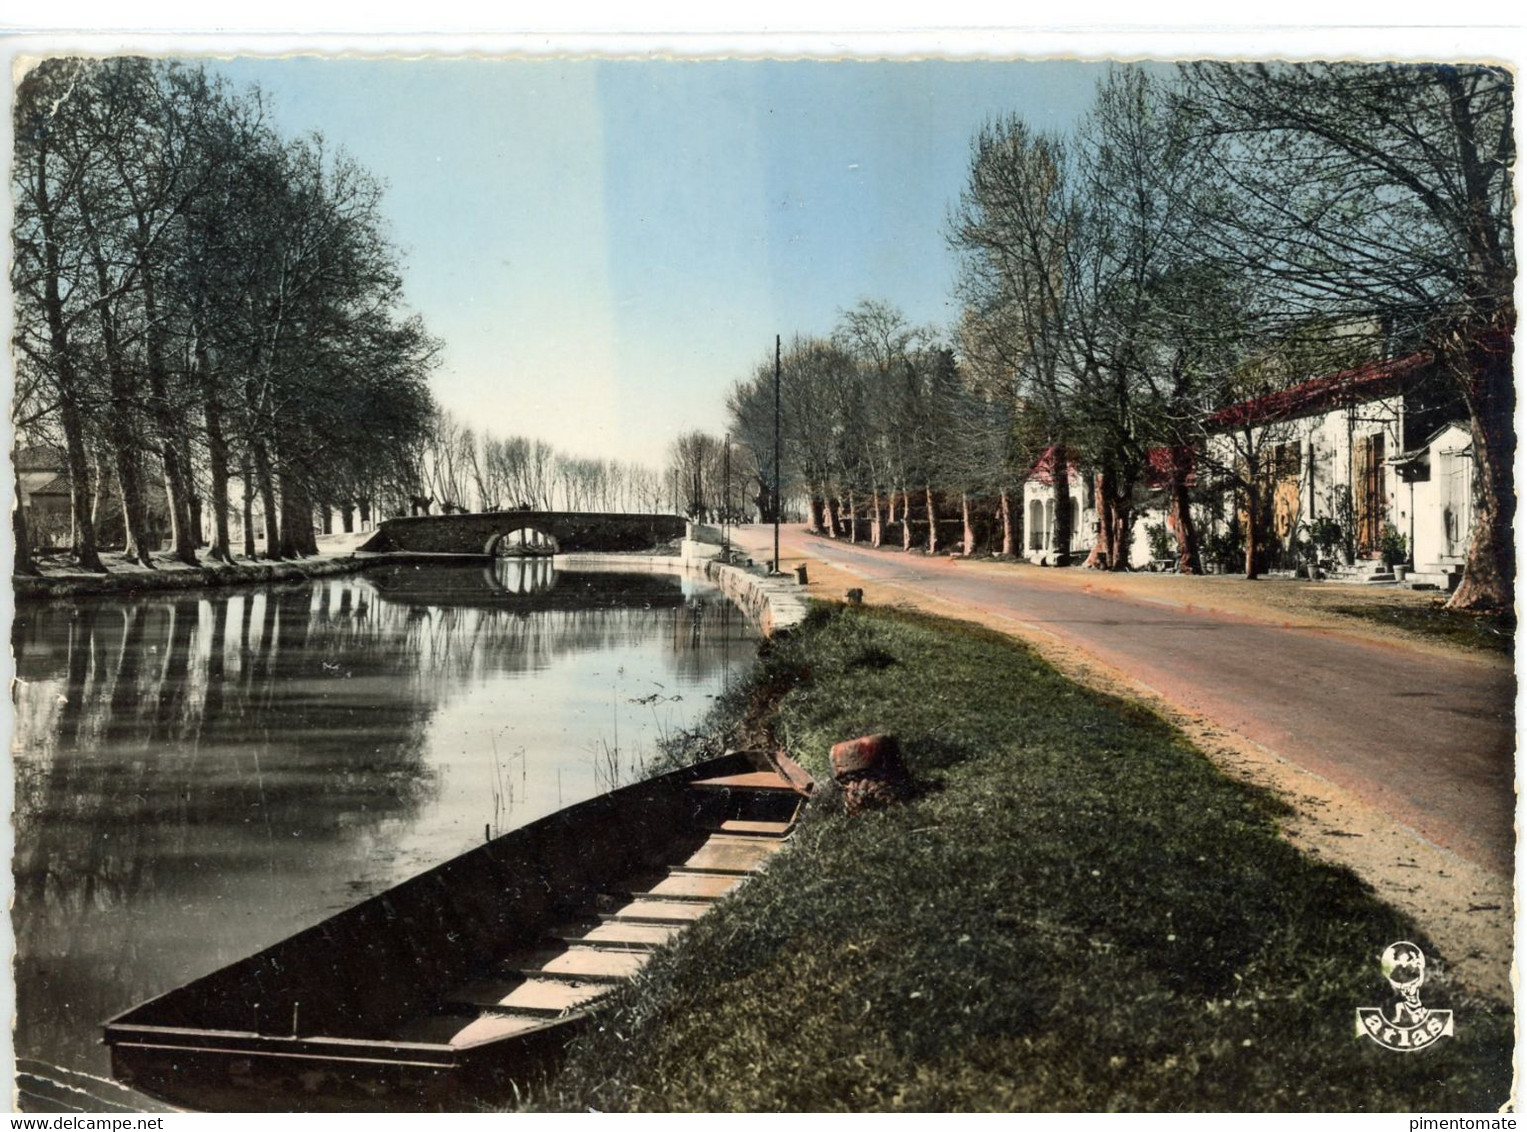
point(1393, 549)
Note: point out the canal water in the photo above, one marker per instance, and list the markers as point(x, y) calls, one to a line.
point(198, 776)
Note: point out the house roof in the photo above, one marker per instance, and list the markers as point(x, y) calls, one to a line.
point(41, 458)
point(1424, 448)
point(55, 484)
point(1043, 469)
point(1367, 382)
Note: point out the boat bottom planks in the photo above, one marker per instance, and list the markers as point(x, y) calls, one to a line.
point(458, 988)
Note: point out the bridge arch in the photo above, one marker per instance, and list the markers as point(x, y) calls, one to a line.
point(512, 534)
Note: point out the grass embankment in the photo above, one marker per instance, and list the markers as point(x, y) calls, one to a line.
point(1490, 632)
point(1079, 912)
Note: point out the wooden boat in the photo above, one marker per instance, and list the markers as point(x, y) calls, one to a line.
point(462, 985)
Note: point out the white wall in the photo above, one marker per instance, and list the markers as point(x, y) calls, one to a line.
point(1327, 441)
point(1083, 529)
point(1423, 512)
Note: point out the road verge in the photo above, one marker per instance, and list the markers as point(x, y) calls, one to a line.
point(1079, 911)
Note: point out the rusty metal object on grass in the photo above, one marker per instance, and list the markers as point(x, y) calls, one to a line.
point(871, 771)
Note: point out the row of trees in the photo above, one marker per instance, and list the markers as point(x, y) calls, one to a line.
point(878, 421)
point(201, 301)
point(461, 469)
point(1195, 242)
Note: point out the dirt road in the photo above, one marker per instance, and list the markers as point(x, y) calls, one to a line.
point(1422, 739)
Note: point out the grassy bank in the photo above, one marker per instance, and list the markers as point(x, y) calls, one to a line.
point(1078, 912)
point(1491, 632)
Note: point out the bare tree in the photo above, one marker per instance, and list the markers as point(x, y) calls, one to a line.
point(1356, 191)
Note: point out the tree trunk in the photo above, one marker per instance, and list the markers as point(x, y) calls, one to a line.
point(832, 516)
point(853, 519)
point(177, 472)
point(137, 547)
point(875, 528)
point(1101, 554)
point(267, 489)
point(249, 494)
point(906, 520)
point(1123, 520)
point(21, 562)
point(1180, 518)
point(365, 507)
point(217, 462)
point(120, 423)
point(1061, 480)
point(297, 537)
point(347, 517)
point(81, 506)
point(1006, 511)
point(1489, 570)
point(1253, 535)
point(98, 488)
point(932, 519)
point(970, 530)
point(81, 497)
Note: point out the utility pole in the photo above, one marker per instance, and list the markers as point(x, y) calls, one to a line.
point(778, 502)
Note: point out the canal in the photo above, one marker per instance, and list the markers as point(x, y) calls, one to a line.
point(198, 776)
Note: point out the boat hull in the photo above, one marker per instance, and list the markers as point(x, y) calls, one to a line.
point(462, 987)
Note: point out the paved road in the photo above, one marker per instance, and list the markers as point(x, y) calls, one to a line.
point(1428, 739)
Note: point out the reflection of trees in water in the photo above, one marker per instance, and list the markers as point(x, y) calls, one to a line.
point(186, 765)
point(172, 766)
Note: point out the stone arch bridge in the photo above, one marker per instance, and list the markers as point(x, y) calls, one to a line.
point(485, 534)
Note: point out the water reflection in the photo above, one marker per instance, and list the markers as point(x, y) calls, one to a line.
point(198, 776)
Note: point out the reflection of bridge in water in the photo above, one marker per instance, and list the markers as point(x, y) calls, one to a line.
point(523, 585)
point(501, 532)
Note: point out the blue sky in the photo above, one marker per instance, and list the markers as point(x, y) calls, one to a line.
point(606, 246)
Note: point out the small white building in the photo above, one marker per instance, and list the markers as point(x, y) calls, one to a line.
point(1040, 499)
point(1155, 507)
point(1436, 498)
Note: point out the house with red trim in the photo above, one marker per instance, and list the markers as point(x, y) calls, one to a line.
point(1378, 449)
point(1042, 497)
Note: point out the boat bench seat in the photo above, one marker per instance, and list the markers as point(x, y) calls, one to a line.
point(541, 997)
point(679, 885)
point(743, 828)
point(598, 964)
point(729, 854)
point(614, 933)
point(456, 1031)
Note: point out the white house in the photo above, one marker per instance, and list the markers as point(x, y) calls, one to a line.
point(1436, 494)
point(1039, 504)
point(1370, 448)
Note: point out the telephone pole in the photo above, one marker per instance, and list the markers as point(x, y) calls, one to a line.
point(778, 502)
